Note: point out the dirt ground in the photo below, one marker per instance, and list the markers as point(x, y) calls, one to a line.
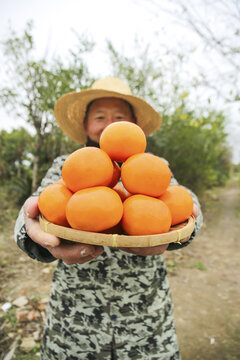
point(204, 279)
point(205, 282)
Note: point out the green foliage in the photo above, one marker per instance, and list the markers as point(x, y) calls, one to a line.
point(35, 85)
point(194, 144)
point(16, 160)
point(8, 209)
point(172, 267)
point(198, 265)
point(15, 154)
point(10, 316)
point(21, 188)
point(54, 144)
point(156, 77)
point(195, 148)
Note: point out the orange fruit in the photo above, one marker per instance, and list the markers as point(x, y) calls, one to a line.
point(145, 174)
point(122, 139)
point(145, 215)
point(121, 191)
point(52, 203)
point(87, 167)
point(179, 201)
point(94, 209)
point(60, 181)
point(116, 174)
point(117, 229)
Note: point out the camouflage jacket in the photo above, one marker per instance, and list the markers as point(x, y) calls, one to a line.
point(117, 306)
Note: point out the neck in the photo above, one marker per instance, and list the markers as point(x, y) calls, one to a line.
point(90, 142)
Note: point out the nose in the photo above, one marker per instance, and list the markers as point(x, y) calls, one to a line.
point(109, 119)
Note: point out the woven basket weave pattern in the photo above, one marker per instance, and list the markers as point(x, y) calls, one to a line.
point(176, 234)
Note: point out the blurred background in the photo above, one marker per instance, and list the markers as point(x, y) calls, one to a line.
point(183, 57)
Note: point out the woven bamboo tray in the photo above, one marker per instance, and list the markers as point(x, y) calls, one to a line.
point(175, 234)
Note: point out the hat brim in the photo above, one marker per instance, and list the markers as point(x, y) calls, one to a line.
point(70, 111)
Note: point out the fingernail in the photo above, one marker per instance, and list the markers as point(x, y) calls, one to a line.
point(47, 244)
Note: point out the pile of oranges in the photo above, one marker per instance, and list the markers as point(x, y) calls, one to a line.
point(90, 196)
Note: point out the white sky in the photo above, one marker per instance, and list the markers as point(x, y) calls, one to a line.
point(118, 20)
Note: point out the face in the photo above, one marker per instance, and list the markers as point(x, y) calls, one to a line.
point(103, 112)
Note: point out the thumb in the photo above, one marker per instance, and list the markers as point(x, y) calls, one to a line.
point(30, 207)
point(196, 211)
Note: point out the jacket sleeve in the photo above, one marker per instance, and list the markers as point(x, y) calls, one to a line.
point(25, 243)
point(198, 223)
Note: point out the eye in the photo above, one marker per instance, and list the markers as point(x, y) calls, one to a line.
point(100, 118)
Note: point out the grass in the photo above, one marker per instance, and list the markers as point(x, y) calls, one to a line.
point(197, 265)
point(8, 324)
point(172, 267)
point(15, 331)
point(8, 209)
point(232, 342)
point(10, 317)
point(32, 355)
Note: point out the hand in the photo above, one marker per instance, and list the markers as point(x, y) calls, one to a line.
point(144, 251)
point(195, 214)
point(196, 211)
point(70, 252)
point(157, 250)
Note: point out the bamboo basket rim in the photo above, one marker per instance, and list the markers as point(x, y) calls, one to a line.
point(174, 235)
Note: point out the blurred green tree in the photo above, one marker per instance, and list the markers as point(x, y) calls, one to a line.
point(15, 153)
point(193, 141)
point(33, 86)
point(155, 76)
point(195, 148)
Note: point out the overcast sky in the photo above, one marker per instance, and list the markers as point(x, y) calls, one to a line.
point(54, 20)
point(119, 21)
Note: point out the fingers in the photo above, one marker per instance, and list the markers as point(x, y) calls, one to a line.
point(144, 251)
point(30, 207)
point(185, 240)
point(35, 232)
point(75, 253)
point(69, 252)
point(33, 228)
point(196, 210)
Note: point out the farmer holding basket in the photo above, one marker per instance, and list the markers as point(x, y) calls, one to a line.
point(106, 303)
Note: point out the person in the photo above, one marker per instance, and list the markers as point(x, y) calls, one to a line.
point(105, 303)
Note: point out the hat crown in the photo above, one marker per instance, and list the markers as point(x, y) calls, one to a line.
point(112, 84)
point(70, 109)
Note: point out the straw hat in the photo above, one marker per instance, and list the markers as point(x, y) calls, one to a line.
point(70, 109)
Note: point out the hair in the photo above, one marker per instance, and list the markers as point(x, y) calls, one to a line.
point(130, 106)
